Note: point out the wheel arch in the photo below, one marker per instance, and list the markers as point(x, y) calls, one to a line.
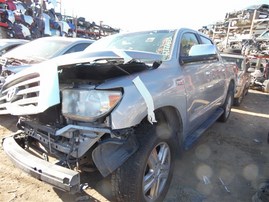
point(174, 120)
point(150, 137)
point(232, 85)
point(228, 102)
point(102, 154)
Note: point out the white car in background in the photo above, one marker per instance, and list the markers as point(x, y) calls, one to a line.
point(40, 50)
point(8, 44)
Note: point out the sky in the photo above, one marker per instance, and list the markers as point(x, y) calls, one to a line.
point(152, 14)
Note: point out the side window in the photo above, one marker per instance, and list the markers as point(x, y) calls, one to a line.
point(77, 48)
point(205, 40)
point(187, 41)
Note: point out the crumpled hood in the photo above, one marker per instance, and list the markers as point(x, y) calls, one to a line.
point(101, 61)
point(90, 57)
point(37, 88)
point(104, 65)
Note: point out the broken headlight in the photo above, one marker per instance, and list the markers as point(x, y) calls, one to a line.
point(88, 105)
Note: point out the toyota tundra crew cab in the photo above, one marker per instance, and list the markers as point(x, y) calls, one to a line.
point(126, 106)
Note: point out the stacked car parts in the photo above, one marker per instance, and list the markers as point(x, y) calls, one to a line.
point(22, 21)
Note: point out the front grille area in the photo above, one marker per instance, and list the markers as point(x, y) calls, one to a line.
point(23, 91)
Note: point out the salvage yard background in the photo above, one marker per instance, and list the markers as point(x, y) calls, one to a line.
point(228, 163)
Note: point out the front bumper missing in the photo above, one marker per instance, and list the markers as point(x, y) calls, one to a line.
point(58, 176)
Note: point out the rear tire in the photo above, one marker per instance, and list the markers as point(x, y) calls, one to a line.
point(146, 176)
point(227, 106)
point(238, 101)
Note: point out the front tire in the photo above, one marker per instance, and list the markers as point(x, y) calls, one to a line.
point(147, 174)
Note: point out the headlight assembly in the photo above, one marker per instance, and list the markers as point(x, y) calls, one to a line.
point(88, 105)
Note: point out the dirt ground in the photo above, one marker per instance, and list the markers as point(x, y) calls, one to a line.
point(228, 163)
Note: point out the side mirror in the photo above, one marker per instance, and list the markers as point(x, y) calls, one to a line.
point(203, 49)
point(200, 52)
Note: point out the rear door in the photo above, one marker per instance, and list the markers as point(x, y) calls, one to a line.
point(217, 78)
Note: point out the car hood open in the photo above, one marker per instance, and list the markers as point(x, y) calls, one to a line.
point(106, 64)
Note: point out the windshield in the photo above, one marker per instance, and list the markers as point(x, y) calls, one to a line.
point(38, 50)
point(151, 41)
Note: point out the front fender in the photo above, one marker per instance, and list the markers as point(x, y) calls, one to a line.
point(163, 91)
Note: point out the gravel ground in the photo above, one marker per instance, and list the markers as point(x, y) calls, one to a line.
point(228, 163)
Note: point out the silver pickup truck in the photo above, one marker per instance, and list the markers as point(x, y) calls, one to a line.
point(127, 107)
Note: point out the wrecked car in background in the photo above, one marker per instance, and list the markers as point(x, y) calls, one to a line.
point(256, 45)
point(241, 65)
point(241, 30)
point(40, 50)
point(259, 67)
point(8, 44)
point(125, 106)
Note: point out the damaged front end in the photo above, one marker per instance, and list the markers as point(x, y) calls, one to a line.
point(64, 125)
point(58, 156)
